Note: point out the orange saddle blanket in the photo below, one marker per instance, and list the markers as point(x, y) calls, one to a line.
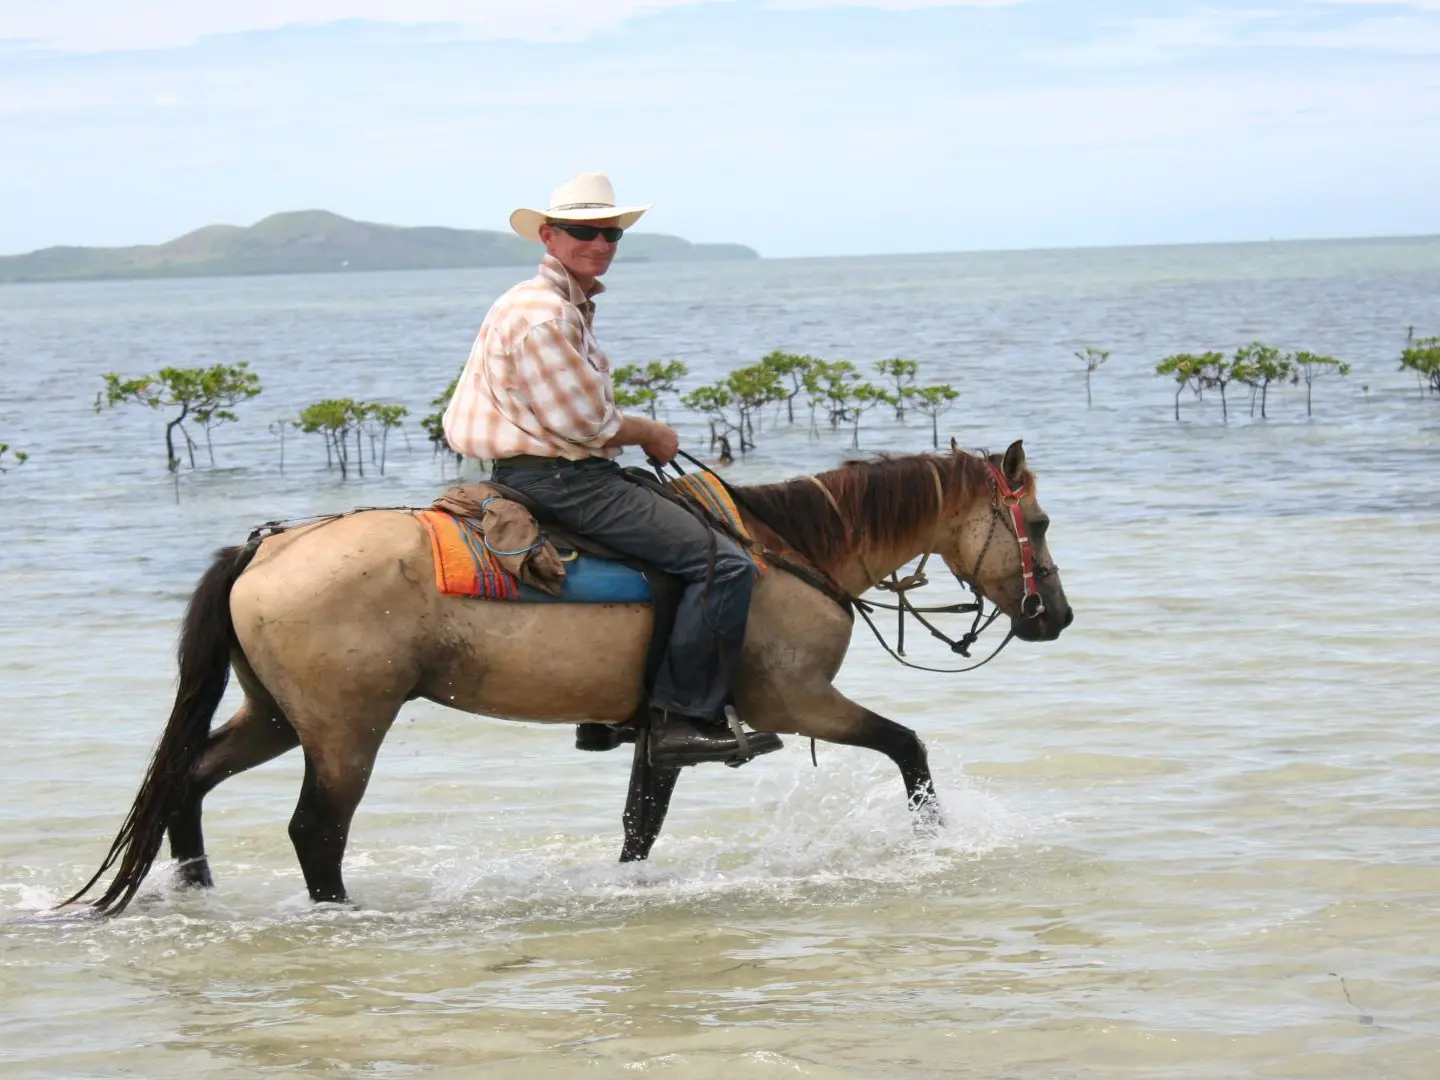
point(464, 567)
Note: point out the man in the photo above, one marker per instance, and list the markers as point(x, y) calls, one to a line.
point(537, 398)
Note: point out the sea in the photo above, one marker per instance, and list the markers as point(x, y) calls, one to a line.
point(1196, 837)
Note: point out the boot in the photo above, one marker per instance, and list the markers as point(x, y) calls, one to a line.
point(686, 740)
point(602, 736)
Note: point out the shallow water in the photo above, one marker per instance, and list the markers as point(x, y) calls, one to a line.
point(1193, 838)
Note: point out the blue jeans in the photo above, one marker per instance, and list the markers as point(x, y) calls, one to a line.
point(593, 498)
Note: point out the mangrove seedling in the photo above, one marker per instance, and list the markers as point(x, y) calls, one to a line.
point(335, 420)
point(1092, 359)
point(434, 424)
point(1257, 366)
point(1312, 366)
point(1423, 357)
point(715, 403)
point(377, 421)
point(17, 457)
point(205, 395)
point(831, 384)
point(864, 397)
point(903, 373)
point(791, 369)
point(931, 401)
point(1191, 371)
point(752, 388)
point(637, 387)
point(279, 428)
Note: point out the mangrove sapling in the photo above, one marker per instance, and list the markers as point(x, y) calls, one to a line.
point(931, 401)
point(1257, 366)
point(278, 428)
point(631, 397)
point(205, 394)
point(752, 388)
point(1220, 373)
point(791, 369)
point(714, 402)
point(1423, 357)
point(1092, 359)
point(1189, 370)
point(17, 457)
point(864, 397)
point(1311, 366)
point(830, 383)
point(903, 373)
point(335, 420)
point(378, 420)
point(637, 387)
point(434, 424)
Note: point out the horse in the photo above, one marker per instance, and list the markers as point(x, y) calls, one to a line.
point(330, 628)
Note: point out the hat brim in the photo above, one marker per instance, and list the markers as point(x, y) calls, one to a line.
point(526, 222)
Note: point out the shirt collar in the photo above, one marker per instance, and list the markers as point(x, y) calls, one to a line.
point(553, 271)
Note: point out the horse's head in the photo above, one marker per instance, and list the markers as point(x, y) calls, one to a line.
point(999, 543)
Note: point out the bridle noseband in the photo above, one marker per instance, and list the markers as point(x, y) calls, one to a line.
point(1032, 604)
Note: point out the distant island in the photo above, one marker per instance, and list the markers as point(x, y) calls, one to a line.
point(317, 241)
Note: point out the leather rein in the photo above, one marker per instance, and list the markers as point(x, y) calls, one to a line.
point(1004, 506)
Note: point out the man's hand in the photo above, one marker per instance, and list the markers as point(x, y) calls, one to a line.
point(661, 443)
point(658, 440)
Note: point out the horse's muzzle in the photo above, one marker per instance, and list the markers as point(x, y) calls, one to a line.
point(1047, 626)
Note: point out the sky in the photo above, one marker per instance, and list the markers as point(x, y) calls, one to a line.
point(800, 127)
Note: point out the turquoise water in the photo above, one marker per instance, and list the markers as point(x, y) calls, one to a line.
point(1193, 838)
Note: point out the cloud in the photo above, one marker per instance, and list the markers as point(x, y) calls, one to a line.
point(105, 26)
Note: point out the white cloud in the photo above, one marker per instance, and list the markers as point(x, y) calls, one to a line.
point(1401, 34)
point(1159, 41)
point(104, 26)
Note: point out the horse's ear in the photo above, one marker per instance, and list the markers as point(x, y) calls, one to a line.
point(954, 446)
point(1014, 464)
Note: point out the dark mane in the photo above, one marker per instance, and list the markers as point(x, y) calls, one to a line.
point(882, 501)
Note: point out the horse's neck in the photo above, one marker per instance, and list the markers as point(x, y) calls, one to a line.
point(863, 567)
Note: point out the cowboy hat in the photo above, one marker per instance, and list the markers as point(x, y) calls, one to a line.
point(588, 197)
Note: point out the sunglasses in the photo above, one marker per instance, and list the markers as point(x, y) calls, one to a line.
point(586, 233)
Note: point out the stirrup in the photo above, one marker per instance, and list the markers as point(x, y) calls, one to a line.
point(752, 744)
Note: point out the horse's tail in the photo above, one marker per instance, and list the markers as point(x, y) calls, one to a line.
point(205, 643)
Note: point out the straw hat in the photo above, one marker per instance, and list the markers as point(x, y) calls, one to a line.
point(588, 197)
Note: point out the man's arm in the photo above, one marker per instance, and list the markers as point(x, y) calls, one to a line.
point(659, 441)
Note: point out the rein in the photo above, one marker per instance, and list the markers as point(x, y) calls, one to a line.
point(1032, 605)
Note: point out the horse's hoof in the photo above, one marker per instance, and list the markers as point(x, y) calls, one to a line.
point(194, 873)
point(927, 818)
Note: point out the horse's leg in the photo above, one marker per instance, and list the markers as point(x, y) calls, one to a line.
point(339, 758)
point(817, 709)
point(255, 734)
point(647, 802)
point(903, 747)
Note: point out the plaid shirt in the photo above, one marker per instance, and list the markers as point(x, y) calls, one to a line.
point(536, 381)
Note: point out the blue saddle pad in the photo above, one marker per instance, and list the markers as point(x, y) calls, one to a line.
point(593, 581)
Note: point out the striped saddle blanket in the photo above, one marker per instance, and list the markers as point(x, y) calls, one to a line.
point(463, 566)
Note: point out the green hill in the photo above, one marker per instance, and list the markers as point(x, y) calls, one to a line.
point(317, 241)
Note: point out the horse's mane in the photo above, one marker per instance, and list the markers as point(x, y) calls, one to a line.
point(881, 501)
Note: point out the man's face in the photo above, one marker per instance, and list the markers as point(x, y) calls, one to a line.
point(583, 258)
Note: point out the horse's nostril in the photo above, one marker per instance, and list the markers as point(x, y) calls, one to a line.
point(1069, 616)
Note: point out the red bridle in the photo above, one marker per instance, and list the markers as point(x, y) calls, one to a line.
point(1032, 605)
